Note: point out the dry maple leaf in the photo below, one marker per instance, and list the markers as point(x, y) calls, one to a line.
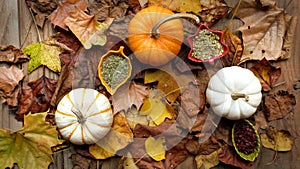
point(9, 84)
point(266, 73)
point(29, 147)
point(278, 105)
point(41, 8)
point(263, 37)
point(127, 95)
point(87, 29)
point(11, 54)
point(178, 5)
point(278, 140)
point(36, 96)
point(63, 10)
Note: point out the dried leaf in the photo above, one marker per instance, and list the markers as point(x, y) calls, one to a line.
point(177, 5)
point(266, 73)
point(29, 147)
point(235, 52)
point(11, 54)
point(166, 83)
point(45, 53)
point(192, 101)
point(129, 162)
point(41, 9)
point(36, 96)
point(278, 140)
point(176, 155)
point(64, 9)
point(106, 8)
point(228, 156)
point(278, 105)
point(87, 29)
point(133, 118)
point(127, 95)
point(118, 138)
point(155, 148)
point(262, 37)
point(9, 83)
point(208, 161)
point(83, 162)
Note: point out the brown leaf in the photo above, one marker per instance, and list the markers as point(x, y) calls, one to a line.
point(266, 73)
point(223, 131)
point(127, 95)
point(79, 161)
point(176, 155)
point(107, 8)
point(192, 101)
point(41, 9)
point(263, 37)
point(235, 45)
point(11, 54)
point(64, 9)
point(9, 83)
point(228, 156)
point(178, 5)
point(278, 105)
point(36, 97)
point(204, 148)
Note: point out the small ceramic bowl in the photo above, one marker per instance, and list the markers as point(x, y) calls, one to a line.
point(211, 58)
point(113, 89)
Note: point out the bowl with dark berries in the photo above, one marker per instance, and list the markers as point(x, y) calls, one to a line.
point(245, 140)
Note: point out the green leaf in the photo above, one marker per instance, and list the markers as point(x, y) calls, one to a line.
point(155, 148)
point(30, 147)
point(44, 53)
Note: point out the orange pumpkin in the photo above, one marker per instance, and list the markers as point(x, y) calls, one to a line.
point(155, 35)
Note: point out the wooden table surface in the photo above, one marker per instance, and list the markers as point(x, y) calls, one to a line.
point(17, 29)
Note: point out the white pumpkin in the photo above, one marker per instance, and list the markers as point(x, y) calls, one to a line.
point(234, 92)
point(84, 116)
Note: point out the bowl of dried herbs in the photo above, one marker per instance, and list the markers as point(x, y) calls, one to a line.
point(114, 69)
point(206, 45)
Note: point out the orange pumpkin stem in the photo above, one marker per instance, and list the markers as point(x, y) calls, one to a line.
point(154, 33)
point(79, 115)
point(236, 96)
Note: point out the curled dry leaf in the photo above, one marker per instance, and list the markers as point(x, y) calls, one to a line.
point(127, 95)
point(36, 96)
point(178, 5)
point(235, 52)
point(35, 139)
point(9, 84)
point(41, 9)
point(263, 37)
point(11, 54)
point(87, 29)
point(278, 105)
point(266, 73)
point(278, 140)
point(64, 9)
point(208, 161)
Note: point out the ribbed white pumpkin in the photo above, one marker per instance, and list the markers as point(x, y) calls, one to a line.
point(234, 92)
point(84, 116)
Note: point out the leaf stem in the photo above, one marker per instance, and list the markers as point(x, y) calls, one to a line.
point(35, 25)
point(234, 13)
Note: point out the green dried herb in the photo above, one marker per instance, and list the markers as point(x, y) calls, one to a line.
point(115, 70)
point(206, 44)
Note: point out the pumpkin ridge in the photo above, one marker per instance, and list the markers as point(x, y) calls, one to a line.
point(82, 135)
point(69, 125)
point(65, 114)
point(99, 125)
point(100, 112)
point(83, 97)
point(223, 82)
point(71, 134)
point(88, 108)
point(69, 98)
point(91, 133)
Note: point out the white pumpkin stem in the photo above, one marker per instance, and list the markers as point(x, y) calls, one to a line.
point(236, 96)
point(154, 33)
point(79, 115)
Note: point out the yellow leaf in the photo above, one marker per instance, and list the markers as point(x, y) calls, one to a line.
point(155, 148)
point(208, 161)
point(129, 162)
point(166, 83)
point(278, 140)
point(87, 29)
point(118, 138)
point(45, 53)
point(178, 5)
point(134, 117)
point(30, 147)
point(157, 110)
